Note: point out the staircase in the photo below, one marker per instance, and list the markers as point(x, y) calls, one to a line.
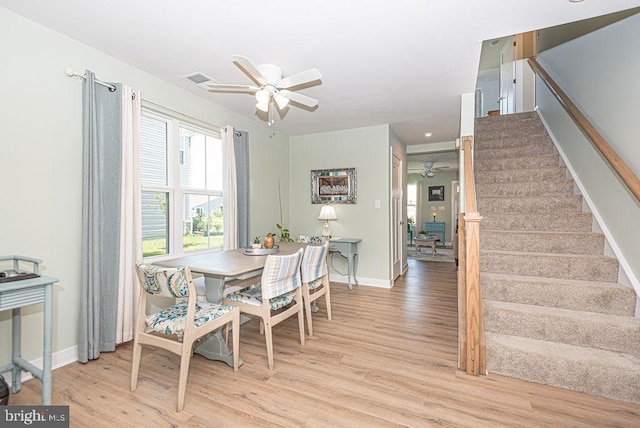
point(554, 311)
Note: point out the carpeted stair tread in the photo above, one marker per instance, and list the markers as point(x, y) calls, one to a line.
point(526, 150)
point(592, 296)
point(549, 265)
point(511, 175)
point(551, 203)
point(577, 222)
point(525, 188)
point(592, 371)
point(524, 162)
point(602, 331)
point(543, 241)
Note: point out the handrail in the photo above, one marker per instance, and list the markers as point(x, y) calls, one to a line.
point(619, 166)
point(471, 345)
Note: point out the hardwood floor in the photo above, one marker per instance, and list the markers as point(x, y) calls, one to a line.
point(388, 358)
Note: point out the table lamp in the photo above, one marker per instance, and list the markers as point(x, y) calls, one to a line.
point(434, 216)
point(327, 213)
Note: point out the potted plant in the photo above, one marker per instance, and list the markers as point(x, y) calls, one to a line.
point(256, 243)
point(422, 234)
point(269, 241)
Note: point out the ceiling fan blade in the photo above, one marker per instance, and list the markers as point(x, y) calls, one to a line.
point(246, 65)
point(299, 98)
point(226, 87)
point(299, 79)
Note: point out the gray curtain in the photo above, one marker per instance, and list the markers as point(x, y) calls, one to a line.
point(241, 150)
point(101, 178)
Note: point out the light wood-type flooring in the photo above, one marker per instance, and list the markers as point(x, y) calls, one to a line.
point(388, 358)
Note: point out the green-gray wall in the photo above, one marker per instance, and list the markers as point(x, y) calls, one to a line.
point(41, 153)
point(367, 150)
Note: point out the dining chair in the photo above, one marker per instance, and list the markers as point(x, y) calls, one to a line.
point(188, 319)
point(277, 297)
point(315, 280)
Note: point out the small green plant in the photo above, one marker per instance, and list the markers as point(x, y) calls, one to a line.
point(284, 234)
point(422, 232)
point(256, 240)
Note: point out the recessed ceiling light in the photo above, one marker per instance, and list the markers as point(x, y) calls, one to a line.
point(428, 134)
point(575, 1)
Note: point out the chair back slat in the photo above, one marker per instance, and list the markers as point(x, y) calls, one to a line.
point(165, 282)
point(281, 274)
point(314, 262)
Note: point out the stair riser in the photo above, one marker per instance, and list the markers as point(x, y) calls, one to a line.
point(543, 243)
point(509, 147)
point(533, 204)
point(515, 152)
point(595, 333)
point(516, 163)
point(596, 379)
point(554, 173)
point(538, 188)
point(583, 268)
point(542, 222)
point(569, 295)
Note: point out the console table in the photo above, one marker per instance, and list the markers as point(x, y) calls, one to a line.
point(348, 248)
point(435, 228)
point(15, 295)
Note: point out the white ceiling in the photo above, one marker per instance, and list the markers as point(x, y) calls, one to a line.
point(403, 63)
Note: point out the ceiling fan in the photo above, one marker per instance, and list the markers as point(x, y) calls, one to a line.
point(271, 85)
point(429, 170)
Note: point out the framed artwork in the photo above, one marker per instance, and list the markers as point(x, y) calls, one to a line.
point(333, 185)
point(436, 193)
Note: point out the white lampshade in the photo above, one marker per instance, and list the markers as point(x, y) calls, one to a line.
point(327, 213)
point(263, 107)
point(281, 100)
point(262, 96)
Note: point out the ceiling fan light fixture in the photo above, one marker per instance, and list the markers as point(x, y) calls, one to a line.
point(263, 106)
point(262, 96)
point(430, 173)
point(280, 100)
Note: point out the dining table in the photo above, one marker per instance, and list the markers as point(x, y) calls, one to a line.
point(219, 270)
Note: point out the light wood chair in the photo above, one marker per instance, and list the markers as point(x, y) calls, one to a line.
point(276, 298)
point(315, 279)
point(188, 319)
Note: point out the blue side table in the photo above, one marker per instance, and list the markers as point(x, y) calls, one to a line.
point(17, 294)
point(348, 248)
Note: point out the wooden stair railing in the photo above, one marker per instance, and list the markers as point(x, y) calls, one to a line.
point(472, 345)
point(619, 166)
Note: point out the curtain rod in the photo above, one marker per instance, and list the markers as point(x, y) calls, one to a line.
point(69, 72)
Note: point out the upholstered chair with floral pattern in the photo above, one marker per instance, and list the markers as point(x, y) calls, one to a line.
point(276, 298)
point(188, 318)
point(315, 280)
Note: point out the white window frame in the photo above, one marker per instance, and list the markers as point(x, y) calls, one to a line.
point(174, 188)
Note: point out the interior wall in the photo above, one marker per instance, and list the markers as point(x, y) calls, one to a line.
point(599, 74)
point(41, 152)
point(427, 208)
point(489, 82)
point(367, 150)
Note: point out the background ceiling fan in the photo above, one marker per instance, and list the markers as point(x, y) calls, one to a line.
point(271, 85)
point(428, 169)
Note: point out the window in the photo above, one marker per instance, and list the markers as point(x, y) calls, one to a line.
point(412, 196)
point(181, 175)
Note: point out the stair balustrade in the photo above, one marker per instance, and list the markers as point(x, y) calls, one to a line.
point(471, 336)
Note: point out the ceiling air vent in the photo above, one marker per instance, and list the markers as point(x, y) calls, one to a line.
point(199, 79)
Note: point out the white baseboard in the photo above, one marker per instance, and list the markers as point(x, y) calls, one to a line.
point(370, 282)
point(58, 359)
